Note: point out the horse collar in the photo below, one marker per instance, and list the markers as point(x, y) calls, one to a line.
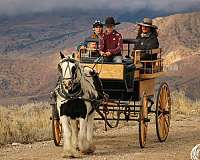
point(75, 95)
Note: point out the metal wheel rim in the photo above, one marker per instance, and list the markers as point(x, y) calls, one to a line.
point(142, 124)
point(57, 131)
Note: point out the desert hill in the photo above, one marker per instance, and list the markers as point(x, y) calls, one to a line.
point(28, 65)
point(179, 35)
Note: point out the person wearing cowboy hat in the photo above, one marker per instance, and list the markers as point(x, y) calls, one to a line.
point(147, 36)
point(111, 44)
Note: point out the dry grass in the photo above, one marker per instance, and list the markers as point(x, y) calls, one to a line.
point(25, 124)
point(184, 105)
point(30, 123)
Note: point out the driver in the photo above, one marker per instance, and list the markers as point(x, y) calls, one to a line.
point(111, 44)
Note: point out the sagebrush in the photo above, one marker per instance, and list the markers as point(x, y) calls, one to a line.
point(25, 124)
point(31, 122)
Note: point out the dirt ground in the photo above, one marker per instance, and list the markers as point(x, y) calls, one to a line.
point(121, 143)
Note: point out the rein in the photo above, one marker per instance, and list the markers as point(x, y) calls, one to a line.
point(95, 63)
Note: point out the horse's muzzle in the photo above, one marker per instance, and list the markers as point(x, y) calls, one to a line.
point(67, 84)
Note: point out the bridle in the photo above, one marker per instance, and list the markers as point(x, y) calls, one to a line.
point(75, 90)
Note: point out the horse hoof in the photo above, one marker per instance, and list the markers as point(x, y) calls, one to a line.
point(93, 148)
point(76, 154)
point(77, 148)
point(89, 150)
point(84, 152)
point(70, 155)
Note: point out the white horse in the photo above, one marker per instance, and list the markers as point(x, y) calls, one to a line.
point(76, 111)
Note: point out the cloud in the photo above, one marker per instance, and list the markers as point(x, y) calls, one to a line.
point(13, 7)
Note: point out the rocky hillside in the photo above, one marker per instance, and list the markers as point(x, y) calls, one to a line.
point(26, 76)
point(179, 35)
point(29, 51)
point(43, 33)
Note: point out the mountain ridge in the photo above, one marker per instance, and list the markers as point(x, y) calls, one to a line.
point(32, 73)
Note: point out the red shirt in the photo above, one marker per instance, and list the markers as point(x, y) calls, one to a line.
point(111, 43)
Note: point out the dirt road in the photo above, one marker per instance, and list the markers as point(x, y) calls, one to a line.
point(121, 143)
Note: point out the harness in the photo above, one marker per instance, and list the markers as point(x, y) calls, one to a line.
point(76, 92)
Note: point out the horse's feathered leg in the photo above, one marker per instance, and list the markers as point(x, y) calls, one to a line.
point(74, 127)
point(83, 142)
point(68, 149)
point(90, 132)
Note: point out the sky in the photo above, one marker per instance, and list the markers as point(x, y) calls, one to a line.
point(15, 7)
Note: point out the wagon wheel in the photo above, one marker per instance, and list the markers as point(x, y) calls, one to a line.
point(163, 112)
point(143, 121)
point(56, 127)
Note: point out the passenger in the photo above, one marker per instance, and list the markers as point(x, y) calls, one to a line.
point(97, 32)
point(93, 49)
point(98, 29)
point(111, 44)
point(82, 45)
point(92, 45)
point(147, 36)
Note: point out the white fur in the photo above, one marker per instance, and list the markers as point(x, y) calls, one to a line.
point(78, 138)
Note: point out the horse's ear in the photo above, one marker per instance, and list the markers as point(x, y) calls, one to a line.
point(73, 55)
point(62, 55)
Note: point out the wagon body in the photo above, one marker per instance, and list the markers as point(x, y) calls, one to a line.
point(122, 84)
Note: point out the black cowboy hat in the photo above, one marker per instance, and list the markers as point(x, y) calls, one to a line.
point(110, 21)
point(148, 23)
point(97, 23)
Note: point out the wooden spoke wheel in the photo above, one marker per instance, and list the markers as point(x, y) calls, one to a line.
point(56, 128)
point(57, 131)
point(163, 112)
point(143, 121)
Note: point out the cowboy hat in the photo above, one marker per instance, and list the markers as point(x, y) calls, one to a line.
point(148, 23)
point(110, 21)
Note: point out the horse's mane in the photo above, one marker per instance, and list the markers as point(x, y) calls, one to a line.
point(87, 82)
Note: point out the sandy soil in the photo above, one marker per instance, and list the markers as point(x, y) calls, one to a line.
point(121, 143)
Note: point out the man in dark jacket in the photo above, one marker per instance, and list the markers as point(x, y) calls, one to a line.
point(147, 36)
point(111, 44)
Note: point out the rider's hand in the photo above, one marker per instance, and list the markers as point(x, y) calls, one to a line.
point(108, 54)
point(103, 53)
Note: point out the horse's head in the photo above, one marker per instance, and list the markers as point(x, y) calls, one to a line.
point(69, 70)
